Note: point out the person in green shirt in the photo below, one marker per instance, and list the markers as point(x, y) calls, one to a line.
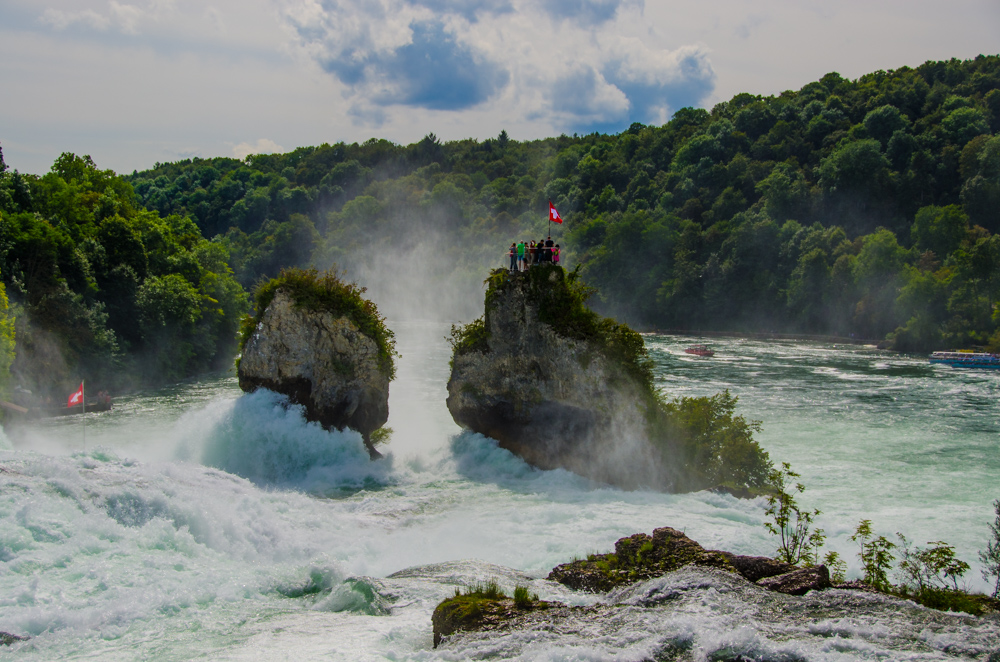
point(520, 256)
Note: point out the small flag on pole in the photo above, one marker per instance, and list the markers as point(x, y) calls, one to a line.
point(553, 214)
point(76, 398)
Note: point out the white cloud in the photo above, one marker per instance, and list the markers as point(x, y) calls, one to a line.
point(132, 82)
point(262, 146)
point(545, 61)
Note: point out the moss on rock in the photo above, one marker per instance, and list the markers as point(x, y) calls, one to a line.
point(637, 558)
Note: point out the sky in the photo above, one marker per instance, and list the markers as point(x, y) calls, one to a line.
point(136, 82)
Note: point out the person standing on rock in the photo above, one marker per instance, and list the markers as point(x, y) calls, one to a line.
point(549, 244)
point(520, 256)
point(555, 254)
point(512, 253)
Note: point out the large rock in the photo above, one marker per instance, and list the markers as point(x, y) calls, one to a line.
point(800, 581)
point(320, 361)
point(637, 558)
point(555, 400)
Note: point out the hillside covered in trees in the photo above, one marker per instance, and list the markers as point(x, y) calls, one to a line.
point(866, 207)
point(104, 290)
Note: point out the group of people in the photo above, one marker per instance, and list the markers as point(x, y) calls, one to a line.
point(527, 254)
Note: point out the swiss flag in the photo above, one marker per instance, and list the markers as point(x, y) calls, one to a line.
point(77, 397)
point(553, 214)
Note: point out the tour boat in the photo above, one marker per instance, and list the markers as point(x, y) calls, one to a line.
point(699, 350)
point(967, 359)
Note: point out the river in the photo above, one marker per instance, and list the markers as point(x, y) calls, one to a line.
point(199, 522)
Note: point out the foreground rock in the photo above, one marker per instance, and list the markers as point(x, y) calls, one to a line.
point(637, 558)
point(8, 639)
point(562, 387)
point(319, 356)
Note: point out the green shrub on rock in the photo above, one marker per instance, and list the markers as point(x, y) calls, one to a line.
point(326, 292)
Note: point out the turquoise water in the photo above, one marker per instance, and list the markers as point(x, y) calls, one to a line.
point(199, 522)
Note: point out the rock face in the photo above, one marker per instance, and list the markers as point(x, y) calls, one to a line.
point(556, 401)
point(321, 362)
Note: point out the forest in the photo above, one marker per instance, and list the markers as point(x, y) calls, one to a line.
point(99, 288)
point(863, 208)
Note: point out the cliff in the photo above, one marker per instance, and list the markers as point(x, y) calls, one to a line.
point(318, 342)
point(560, 386)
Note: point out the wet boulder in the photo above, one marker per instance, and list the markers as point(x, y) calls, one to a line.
point(316, 341)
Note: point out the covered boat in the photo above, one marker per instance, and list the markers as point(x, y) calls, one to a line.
point(967, 359)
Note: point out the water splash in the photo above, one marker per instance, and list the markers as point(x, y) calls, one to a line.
point(267, 440)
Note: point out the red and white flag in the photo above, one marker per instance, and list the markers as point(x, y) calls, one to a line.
point(553, 214)
point(77, 397)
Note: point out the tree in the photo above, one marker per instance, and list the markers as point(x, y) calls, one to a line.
point(939, 229)
point(799, 542)
point(875, 554)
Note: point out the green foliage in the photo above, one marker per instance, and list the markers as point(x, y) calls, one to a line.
point(837, 567)
point(471, 337)
point(108, 291)
point(522, 598)
point(990, 557)
point(327, 292)
point(486, 590)
point(799, 542)
point(924, 568)
point(875, 554)
point(381, 436)
point(7, 337)
point(718, 445)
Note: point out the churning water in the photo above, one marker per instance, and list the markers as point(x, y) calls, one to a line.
point(199, 522)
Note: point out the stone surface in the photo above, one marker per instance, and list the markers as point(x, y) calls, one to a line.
point(800, 581)
point(754, 568)
point(557, 402)
point(321, 362)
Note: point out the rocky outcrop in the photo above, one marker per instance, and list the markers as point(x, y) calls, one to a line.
point(321, 361)
point(532, 379)
point(636, 558)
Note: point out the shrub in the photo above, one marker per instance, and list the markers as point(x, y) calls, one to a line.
point(522, 598)
point(876, 556)
point(326, 292)
point(799, 542)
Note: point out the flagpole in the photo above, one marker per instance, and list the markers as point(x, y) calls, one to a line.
point(83, 408)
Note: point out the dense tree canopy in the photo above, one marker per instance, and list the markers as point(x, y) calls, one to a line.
point(105, 290)
point(866, 207)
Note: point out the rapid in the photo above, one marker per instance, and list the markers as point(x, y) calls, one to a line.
point(198, 522)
